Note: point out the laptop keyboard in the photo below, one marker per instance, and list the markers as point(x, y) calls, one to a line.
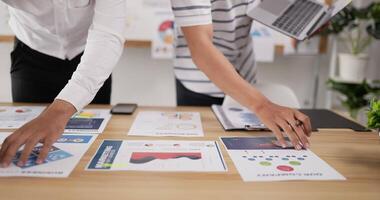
point(297, 16)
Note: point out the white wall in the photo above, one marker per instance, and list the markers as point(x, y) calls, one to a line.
point(138, 78)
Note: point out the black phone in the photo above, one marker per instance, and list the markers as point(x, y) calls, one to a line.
point(124, 108)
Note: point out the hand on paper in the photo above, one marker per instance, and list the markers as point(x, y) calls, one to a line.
point(222, 73)
point(46, 128)
point(292, 122)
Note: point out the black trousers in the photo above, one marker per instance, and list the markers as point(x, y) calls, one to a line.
point(186, 97)
point(38, 78)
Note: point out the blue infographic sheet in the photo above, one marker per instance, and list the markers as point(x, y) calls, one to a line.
point(89, 121)
point(61, 160)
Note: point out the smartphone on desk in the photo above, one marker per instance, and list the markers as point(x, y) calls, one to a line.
point(124, 109)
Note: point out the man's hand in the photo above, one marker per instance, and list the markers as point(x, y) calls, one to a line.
point(46, 128)
point(280, 119)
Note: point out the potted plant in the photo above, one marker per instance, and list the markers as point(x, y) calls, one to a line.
point(356, 28)
point(374, 115)
point(354, 95)
point(374, 28)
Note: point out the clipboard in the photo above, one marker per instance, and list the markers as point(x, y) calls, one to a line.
point(229, 125)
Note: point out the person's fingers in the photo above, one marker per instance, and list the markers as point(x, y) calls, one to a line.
point(280, 138)
point(4, 147)
point(291, 134)
point(305, 122)
point(30, 144)
point(11, 152)
point(300, 133)
point(16, 137)
point(48, 143)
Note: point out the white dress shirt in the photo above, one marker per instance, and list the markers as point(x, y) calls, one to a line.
point(64, 29)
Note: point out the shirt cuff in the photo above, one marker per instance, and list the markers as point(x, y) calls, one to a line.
point(182, 21)
point(75, 94)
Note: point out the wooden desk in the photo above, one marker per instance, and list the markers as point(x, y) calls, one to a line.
point(355, 155)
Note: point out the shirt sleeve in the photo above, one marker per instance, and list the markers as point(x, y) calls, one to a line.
point(192, 12)
point(105, 44)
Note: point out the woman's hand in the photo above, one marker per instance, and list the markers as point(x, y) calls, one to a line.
point(46, 128)
point(223, 74)
point(292, 122)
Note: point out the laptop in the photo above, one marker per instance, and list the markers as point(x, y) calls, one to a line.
point(298, 19)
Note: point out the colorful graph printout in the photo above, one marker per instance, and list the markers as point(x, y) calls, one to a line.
point(60, 162)
point(259, 159)
point(183, 156)
point(89, 121)
point(184, 124)
point(13, 117)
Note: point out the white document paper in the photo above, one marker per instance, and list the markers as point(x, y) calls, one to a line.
point(13, 117)
point(163, 39)
point(61, 160)
point(183, 124)
point(139, 23)
point(259, 159)
point(89, 121)
point(164, 156)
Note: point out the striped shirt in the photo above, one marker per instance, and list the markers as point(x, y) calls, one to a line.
point(231, 27)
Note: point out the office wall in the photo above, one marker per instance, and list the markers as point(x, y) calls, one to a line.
point(138, 78)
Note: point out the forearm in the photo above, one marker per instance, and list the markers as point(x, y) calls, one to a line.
point(61, 111)
point(221, 72)
point(104, 47)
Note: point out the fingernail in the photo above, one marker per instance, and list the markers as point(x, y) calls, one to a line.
point(298, 147)
point(20, 163)
point(283, 146)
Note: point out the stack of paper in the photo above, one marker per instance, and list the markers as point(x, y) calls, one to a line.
point(259, 159)
point(186, 124)
point(197, 156)
point(61, 160)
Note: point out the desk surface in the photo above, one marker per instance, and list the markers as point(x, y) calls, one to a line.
point(355, 155)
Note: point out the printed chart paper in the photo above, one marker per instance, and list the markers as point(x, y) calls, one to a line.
point(60, 162)
point(13, 117)
point(163, 40)
point(258, 159)
point(185, 124)
point(89, 121)
point(176, 156)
